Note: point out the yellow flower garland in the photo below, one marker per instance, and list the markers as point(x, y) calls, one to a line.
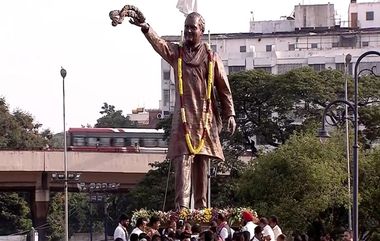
point(195, 150)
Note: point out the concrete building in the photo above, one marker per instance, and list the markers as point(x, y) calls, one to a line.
point(364, 15)
point(146, 118)
point(278, 46)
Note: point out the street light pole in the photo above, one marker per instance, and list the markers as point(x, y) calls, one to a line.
point(63, 74)
point(348, 60)
point(323, 133)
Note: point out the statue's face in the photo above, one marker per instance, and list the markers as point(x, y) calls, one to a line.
point(192, 32)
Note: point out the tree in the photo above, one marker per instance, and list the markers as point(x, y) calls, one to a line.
point(272, 107)
point(81, 215)
point(304, 182)
point(113, 118)
point(154, 182)
point(165, 124)
point(14, 214)
point(369, 210)
point(18, 130)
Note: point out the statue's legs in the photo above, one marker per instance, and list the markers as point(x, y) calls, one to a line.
point(190, 169)
point(182, 168)
point(200, 169)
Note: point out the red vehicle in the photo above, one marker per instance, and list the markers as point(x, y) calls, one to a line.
point(116, 140)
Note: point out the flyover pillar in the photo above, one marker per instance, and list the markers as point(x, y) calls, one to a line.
point(40, 206)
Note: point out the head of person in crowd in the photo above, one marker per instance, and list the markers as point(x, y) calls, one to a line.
point(154, 222)
point(220, 219)
point(141, 223)
point(259, 233)
point(213, 226)
point(247, 217)
point(156, 237)
point(196, 229)
point(273, 221)
point(297, 237)
point(238, 236)
point(124, 220)
point(173, 225)
point(263, 222)
point(281, 237)
point(134, 237)
point(304, 237)
point(185, 236)
point(207, 235)
point(144, 237)
point(347, 235)
point(187, 228)
point(246, 235)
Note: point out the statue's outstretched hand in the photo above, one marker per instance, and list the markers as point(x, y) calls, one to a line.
point(231, 125)
point(136, 16)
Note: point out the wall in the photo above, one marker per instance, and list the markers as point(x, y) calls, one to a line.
point(361, 9)
point(310, 16)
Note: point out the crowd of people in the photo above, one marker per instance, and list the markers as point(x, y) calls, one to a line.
point(251, 229)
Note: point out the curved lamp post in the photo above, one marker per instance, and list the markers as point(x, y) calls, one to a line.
point(63, 74)
point(322, 133)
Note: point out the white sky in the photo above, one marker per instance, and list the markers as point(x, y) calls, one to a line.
point(103, 63)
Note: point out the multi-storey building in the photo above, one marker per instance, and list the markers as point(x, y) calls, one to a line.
point(311, 37)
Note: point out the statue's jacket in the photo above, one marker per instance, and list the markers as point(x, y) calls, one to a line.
point(195, 74)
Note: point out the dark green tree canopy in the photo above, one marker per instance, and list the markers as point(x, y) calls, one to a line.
point(271, 106)
point(19, 131)
point(113, 118)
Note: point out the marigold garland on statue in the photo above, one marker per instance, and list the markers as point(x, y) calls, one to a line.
point(195, 150)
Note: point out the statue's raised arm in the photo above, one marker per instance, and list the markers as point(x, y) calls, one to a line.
point(136, 16)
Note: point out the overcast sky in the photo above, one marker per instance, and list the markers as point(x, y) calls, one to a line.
point(104, 63)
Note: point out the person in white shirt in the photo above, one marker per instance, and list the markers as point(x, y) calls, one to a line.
point(140, 226)
point(273, 223)
point(121, 233)
point(268, 233)
point(223, 231)
point(248, 223)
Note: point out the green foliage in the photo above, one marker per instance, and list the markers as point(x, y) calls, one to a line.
point(150, 192)
point(166, 124)
point(81, 211)
point(298, 181)
point(18, 130)
point(113, 118)
point(14, 214)
point(369, 211)
point(272, 107)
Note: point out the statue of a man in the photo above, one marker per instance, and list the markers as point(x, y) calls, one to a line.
point(193, 105)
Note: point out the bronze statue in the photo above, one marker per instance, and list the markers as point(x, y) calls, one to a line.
point(196, 124)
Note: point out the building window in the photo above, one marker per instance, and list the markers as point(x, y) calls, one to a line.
point(269, 48)
point(335, 44)
point(213, 47)
point(369, 16)
point(318, 67)
point(265, 69)
point(292, 47)
point(365, 44)
point(234, 69)
point(243, 49)
point(314, 45)
point(166, 74)
point(166, 97)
